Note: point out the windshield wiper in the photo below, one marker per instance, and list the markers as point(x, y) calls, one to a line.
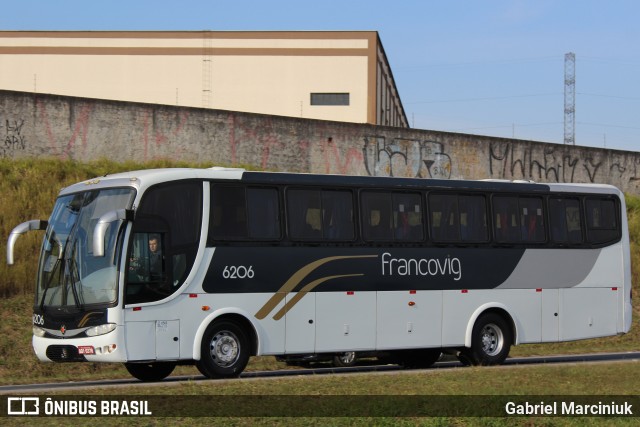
point(73, 275)
point(53, 269)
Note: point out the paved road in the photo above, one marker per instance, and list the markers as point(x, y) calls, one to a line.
point(79, 385)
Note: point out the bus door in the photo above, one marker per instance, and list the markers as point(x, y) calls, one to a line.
point(162, 251)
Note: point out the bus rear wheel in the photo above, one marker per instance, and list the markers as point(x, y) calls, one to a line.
point(348, 358)
point(225, 350)
point(491, 341)
point(148, 372)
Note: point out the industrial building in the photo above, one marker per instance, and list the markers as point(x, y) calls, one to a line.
point(340, 76)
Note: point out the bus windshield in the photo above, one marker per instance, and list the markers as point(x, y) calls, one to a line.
point(69, 275)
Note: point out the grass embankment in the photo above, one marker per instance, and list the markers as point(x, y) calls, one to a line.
point(385, 399)
point(28, 189)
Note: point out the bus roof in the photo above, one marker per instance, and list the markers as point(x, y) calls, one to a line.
point(145, 178)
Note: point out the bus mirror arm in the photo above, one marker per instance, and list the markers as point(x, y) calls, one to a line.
point(101, 228)
point(35, 224)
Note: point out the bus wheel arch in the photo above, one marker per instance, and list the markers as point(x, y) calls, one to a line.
point(225, 346)
point(489, 340)
point(239, 318)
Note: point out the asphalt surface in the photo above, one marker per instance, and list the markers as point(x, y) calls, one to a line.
point(315, 370)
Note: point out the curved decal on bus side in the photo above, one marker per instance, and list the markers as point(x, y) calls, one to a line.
point(302, 292)
point(552, 268)
point(295, 280)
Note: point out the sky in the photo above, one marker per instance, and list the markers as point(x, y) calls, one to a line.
point(490, 67)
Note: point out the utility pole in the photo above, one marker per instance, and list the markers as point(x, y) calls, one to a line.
point(570, 98)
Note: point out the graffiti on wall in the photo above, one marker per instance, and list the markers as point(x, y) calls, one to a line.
point(14, 139)
point(552, 163)
point(160, 130)
point(83, 130)
point(405, 158)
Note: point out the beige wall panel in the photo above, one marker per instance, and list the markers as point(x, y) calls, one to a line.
point(243, 83)
point(153, 79)
point(252, 84)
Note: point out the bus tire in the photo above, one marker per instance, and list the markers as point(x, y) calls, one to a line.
point(147, 372)
point(491, 340)
point(345, 359)
point(225, 350)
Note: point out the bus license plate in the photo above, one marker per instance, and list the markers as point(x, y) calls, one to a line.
point(86, 349)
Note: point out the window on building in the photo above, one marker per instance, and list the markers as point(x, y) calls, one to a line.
point(329, 99)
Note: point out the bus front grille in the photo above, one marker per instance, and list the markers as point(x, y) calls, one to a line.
point(64, 353)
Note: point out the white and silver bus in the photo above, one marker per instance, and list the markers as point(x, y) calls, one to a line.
point(162, 267)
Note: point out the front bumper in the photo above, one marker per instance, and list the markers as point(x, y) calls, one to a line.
point(103, 348)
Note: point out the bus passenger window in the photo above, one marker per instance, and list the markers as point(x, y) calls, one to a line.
point(507, 220)
point(337, 215)
point(444, 217)
point(320, 215)
point(264, 213)
point(518, 219)
point(303, 211)
point(564, 218)
point(376, 216)
point(458, 218)
point(240, 213)
point(532, 219)
point(473, 218)
point(407, 217)
point(228, 218)
point(602, 224)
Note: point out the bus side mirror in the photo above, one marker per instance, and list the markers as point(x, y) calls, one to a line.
point(101, 228)
point(35, 224)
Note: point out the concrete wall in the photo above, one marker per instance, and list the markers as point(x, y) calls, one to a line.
point(34, 125)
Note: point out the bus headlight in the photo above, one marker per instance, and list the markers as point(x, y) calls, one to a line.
point(100, 330)
point(38, 331)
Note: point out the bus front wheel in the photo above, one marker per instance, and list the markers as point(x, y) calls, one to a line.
point(491, 341)
point(147, 372)
point(225, 350)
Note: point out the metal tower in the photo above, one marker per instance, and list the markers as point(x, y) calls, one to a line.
point(570, 98)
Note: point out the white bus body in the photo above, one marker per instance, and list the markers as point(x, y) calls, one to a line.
point(253, 263)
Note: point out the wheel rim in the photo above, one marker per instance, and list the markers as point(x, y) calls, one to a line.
point(492, 339)
point(225, 348)
point(348, 357)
